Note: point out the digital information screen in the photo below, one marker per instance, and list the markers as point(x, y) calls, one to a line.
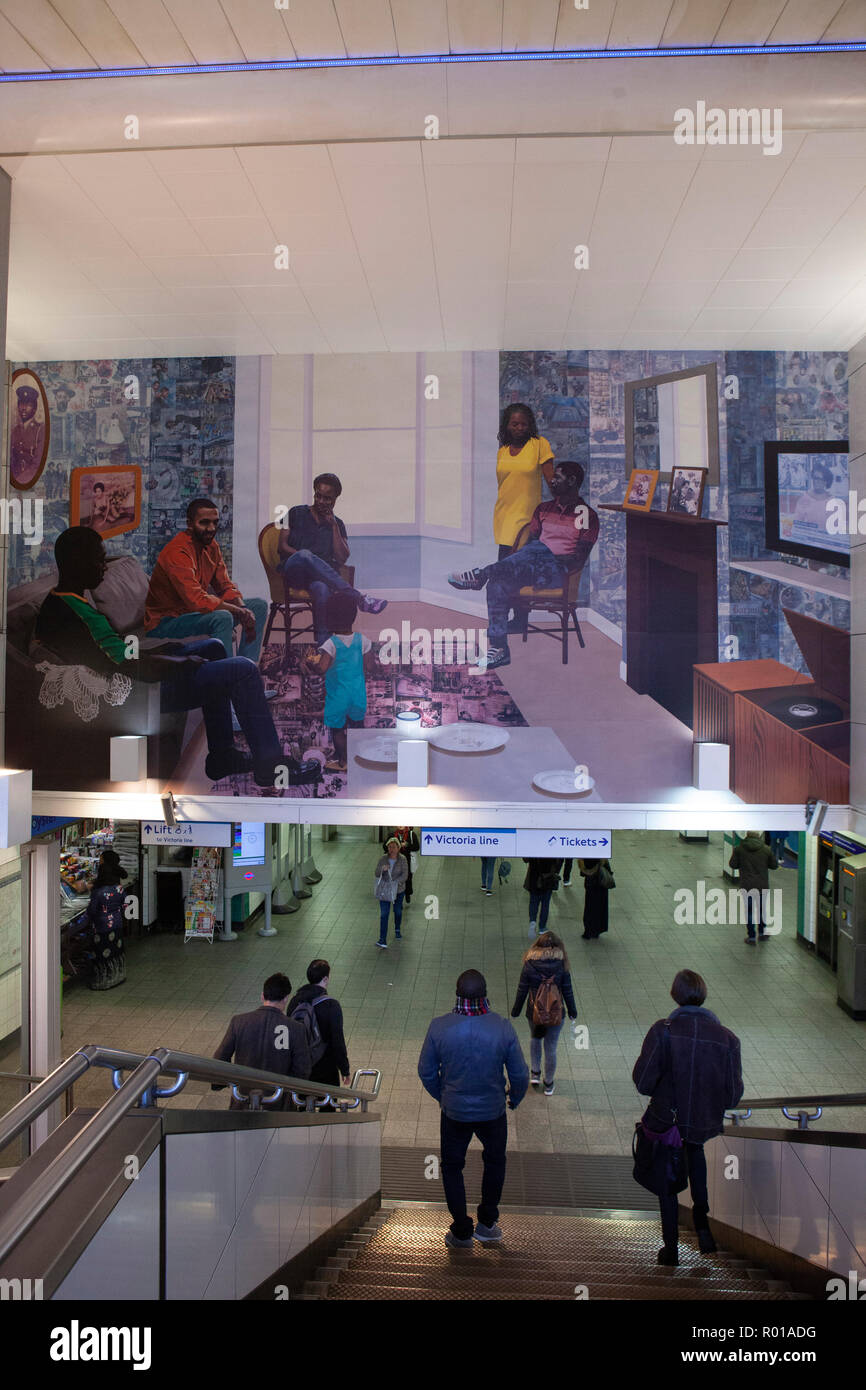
point(248, 843)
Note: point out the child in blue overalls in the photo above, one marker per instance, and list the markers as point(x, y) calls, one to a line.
point(341, 659)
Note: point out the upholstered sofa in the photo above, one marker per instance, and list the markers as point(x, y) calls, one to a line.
point(73, 754)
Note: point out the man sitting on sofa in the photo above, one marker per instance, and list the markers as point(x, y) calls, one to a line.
point(561, 535)
point(191, 594)
point(194, 676)
point(312, 547)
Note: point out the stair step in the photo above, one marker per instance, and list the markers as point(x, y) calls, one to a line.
point(345, 1291)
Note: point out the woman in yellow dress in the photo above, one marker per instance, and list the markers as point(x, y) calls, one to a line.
point(524, 458)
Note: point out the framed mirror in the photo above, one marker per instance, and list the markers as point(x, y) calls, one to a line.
point(672, 421)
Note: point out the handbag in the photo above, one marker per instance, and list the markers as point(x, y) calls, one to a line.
point(391, 894)
point(413, 862)
point(659, 1156)
point(605, 877)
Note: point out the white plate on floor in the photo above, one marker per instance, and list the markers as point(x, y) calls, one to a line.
point(562, 784)
point(379, 750)
point(468, 738)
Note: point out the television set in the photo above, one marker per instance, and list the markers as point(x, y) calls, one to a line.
point(806, 499)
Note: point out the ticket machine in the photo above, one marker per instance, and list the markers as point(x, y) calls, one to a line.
point(248, 868)
point(851, 927)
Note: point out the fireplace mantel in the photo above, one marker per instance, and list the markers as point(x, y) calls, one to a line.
point(672, 603)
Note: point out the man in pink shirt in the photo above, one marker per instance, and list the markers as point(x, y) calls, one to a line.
point(562, 532)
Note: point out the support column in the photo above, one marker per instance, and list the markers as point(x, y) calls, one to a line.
point(857, 485)
point(44, 974)
point(5, 208)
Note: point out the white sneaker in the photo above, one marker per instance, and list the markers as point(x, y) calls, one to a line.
point(533, 931)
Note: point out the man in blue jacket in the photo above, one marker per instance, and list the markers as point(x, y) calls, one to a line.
point(461, 1065)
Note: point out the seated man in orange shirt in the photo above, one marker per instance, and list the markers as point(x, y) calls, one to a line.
point(191, 594)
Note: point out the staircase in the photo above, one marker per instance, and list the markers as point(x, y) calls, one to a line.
point(401, 1254)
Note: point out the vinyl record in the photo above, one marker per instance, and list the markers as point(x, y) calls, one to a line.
point(804, 712)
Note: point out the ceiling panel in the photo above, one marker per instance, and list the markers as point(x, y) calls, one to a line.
point(421, 26)
point(314, 29)
point(100, 31)
point(529, 25)
point(366, 26)
point(202, 195)
point(206, 30)
point(749, 21)
point(16, 54)
point(804, 21)
point(259, 29)
point(847, 25)
point(587, 28)
point(475, 26)
point(693, 23)
point(40, 24)
point(638, 26)
point(153, 31)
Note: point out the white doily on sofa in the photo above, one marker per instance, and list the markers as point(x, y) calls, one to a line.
point(82, 688)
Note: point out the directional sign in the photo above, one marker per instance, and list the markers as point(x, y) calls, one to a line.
point(491, 843)
point(564, 844)
point(188, 832)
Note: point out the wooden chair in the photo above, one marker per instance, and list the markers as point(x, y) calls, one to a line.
point(288, 603)
point(560, 601)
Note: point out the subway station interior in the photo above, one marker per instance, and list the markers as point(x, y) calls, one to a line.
point(451, 413)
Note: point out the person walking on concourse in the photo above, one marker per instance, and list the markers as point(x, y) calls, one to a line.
point(545, 964)
point(461, 1065)
point(689, 1066)
point(392, 871)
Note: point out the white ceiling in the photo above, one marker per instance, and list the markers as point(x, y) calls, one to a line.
point(404, 245)
point(52, 35)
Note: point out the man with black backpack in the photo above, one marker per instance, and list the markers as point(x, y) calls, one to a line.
point(322, 1020)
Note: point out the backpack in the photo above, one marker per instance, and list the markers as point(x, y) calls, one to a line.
point(305, 1014)
point(547, 1009)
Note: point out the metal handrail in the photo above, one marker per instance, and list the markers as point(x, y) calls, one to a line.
point(198, 1068)
point(741, 1112)
point(137, 1089)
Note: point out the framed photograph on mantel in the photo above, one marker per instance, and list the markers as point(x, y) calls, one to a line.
point(641, 486)
point(686, 495)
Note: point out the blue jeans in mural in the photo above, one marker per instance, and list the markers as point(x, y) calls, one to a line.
point(304, 570)
point(215, 687)
point(218, 624)
point(533, 565)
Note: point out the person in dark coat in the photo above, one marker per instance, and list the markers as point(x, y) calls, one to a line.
point(545, 960)
point(542, 878)
point(267, 1040)
point(461, 1065)
point(754, 859)
point(595, 898)
point(689, 1066)
point(105, 920)
point(333, 1065)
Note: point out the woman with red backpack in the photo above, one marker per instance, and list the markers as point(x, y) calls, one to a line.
point(545, 984)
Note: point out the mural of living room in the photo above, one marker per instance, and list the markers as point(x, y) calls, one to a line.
point(560, 569)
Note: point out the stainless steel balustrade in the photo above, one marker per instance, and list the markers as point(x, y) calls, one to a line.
point(742, 1112)
point(139, 1089)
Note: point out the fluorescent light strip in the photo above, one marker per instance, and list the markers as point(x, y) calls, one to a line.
point(564, 55)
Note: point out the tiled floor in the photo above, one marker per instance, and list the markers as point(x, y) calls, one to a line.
point(777, 997)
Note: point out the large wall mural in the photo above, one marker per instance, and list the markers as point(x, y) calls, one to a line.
point(550, 644)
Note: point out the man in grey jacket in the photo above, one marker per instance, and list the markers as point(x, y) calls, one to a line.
point(461, 1065)
point(267, 1040)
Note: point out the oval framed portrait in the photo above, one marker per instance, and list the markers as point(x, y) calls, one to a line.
point(29, 429)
